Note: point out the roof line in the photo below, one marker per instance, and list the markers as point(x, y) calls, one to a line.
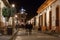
point(6, 3)
point(45, 5)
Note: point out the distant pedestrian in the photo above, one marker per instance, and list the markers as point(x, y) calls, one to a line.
point(39, 29)
point(26, 27)
point(17, 26)
point(30, 27)
point(22, 26)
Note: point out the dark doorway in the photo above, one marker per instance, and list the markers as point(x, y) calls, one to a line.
point(50, 20)
point(39, 24)
point(34, 21)
point(41, 20)
point(45, 22)
point(57, 16)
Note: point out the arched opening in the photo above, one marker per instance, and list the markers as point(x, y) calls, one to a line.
point(34, 21)
point(41, 20)
point(45, 22)
point(42, 28)
point(57, 18)
point(50, 19)
point(39, 24)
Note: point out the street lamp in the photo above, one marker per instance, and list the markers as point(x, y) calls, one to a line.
point(12, 14)
point(13, 5)
point(16, 16)
point(13, 10)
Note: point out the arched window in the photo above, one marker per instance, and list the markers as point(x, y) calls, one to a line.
point(57, 16)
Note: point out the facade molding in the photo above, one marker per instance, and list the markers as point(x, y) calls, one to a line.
point(3, 3)
point(45, 5)
point(6, 3)
point(48, 16)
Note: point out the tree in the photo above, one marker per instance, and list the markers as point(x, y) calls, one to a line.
point(5, 12)
point(8, 12)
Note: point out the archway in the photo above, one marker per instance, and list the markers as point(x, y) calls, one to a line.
point(57, 18)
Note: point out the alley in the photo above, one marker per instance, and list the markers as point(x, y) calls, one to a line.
point(22, 35)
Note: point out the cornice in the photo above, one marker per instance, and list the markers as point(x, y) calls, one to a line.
point(45, 5)
point(6, 3)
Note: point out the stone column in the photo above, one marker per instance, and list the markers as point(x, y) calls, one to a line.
point(44, 27)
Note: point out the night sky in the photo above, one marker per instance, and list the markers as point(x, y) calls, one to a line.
point(30, 6)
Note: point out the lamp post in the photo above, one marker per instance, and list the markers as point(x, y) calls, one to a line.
point(12, 14)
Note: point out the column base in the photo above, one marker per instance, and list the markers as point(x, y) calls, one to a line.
point(49, 28)
point(43, 28)
point(57, 29)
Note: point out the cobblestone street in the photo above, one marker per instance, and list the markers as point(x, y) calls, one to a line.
point(22, 35)
point(5, 37)
point(29, 19)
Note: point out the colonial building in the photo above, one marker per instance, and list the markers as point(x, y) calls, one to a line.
point(3, 3)
point(48, 18)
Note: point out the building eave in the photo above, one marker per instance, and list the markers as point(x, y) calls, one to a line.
point(45, 5)
point(6, 3)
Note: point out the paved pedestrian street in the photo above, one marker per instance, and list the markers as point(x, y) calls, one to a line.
point(5, 37)
point(23, 35)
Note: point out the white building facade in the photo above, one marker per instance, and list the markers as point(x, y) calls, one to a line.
point(3, 3)
point(2, 20)
point(48, 18)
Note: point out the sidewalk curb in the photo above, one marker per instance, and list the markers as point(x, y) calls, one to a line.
point(52, 33)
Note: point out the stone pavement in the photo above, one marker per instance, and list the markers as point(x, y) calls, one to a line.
point(52, 33)
point(7, 37)
point(23, 35)
point(4, 37)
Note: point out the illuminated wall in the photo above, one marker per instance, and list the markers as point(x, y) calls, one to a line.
point(54, 5)
point(50, 13)
point(1, 6)
point(2, 19)
point(10, 21)
point(37, 21)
